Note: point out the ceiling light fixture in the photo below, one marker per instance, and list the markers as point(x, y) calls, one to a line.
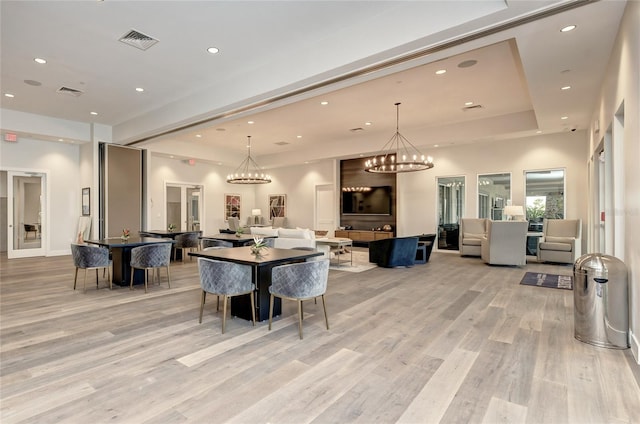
point(398, 155)
point(9, 95)
point(566, 87)
point(441, 71)
point(139, 89)
point(213, 50)
point(248, 172)
point(568, 28)
point(93, 113)
point(40, 60)
point(324, 103)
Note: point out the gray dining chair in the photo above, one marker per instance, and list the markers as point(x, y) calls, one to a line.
point(217, 244)
point(225, 279)
point(151, 256)
point(90, 257)
point(186, 242)
point(300, 281)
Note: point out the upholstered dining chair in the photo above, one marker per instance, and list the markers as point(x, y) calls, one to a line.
point(186, 242)
point(300, 281)
point(225, 279)
point(151, 256)
point(90, 257)
point(216, 244)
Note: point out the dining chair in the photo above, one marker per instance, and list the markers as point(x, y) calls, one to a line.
point(217, 244)
point(225, 279)
point(300, 281)
point(186, 242)
point(151, 256)
point(90, 257)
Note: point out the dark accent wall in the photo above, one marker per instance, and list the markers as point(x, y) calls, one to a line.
point(352, 174)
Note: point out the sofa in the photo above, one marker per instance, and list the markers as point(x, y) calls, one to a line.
point(472, 231)
point(287, 238)
point(561, 241)
point(394, 251)
point(505, 243)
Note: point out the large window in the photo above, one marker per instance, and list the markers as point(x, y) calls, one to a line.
point(450, 210)
point(494, 193)
point(544, 193)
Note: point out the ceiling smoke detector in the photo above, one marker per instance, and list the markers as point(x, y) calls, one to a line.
point(70, 91)
point(138, 40)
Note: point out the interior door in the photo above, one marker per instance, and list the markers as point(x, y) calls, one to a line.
point(26, 224)
point(184, 206)
point(325, 208)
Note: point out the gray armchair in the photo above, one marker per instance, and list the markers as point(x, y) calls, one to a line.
point(90, 257)
point(225, 279)
point(151, 256)
point(561, 241)
point(472, 231)
point(300, 281)
point(505, 243)
point(186, 242)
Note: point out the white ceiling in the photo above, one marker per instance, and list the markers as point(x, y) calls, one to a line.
point(279, 59)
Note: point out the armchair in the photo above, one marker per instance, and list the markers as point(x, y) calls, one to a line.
point(561, 241)
point(472, 231)
point(505, 243)
point(392, 252)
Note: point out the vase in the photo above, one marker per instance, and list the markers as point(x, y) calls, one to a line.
point(256, 250)
point(125, 238)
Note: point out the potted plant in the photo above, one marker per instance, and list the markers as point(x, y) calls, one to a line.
point(258, 246)
point(125, 234)
point(239, 232)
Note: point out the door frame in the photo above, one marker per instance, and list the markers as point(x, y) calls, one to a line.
point(183, 202)
point(13, 253)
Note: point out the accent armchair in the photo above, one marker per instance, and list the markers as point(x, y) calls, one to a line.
point(472, 231)
point(561, 241)
point(394, 251)
point(505, 243)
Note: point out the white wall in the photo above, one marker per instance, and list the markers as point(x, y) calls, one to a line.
point(61, 161)
point(417, 192)
point(622, 87)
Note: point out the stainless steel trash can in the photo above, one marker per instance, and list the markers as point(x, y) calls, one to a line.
point(601, 301)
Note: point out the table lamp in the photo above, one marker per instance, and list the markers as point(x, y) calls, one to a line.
point(511, 211)
point(256, 213)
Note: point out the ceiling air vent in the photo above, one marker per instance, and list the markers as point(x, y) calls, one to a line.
point(356, 129)
point(70, 91)
point(281, 143)
point(472, 107)
point(138, 40)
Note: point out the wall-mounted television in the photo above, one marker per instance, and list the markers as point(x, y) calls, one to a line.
point(366, 200)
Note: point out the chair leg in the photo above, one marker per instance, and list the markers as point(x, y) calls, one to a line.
point(326, 318)
point(202, 298)
point(270, 310)
point(218, 305)
point(224, 311)
point(75, 279)
point(109, 277)
point(96, 278)
point(300, 318)
point(168, 276)
point(84, 285)
point(253, 309)
point(146, 278)
point(133, 270)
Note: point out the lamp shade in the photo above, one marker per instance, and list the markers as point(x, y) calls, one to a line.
point(256, 212)
point(511, 211)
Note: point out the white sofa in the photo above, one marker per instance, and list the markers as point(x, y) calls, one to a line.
point(287, 238)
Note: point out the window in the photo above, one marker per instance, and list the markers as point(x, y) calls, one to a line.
point(494, 193)
point(451, 191)
point(544, 193)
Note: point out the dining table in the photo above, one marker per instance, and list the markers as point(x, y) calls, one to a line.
point(236, 240)
point(261, 267)
point(121, 256)
point(172, 234)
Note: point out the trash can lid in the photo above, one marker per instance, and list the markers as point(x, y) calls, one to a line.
point(599, 265)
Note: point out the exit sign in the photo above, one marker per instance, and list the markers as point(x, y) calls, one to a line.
point(10, 137)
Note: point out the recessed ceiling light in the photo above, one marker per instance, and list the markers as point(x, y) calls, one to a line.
point(40, 60)
point(568, 28)
point(9, 95)
point(199, 135)
point(367, 123)
point(441, 71)
point(468, 103)
point(298, 136)
point(60, 139)
point(436, 145)
point(566, 87)
point(139, 89)
point(467, 63)
point(564, 117)
point(213, 50)
point(324, 103)
point(250, 122)
point(93, 113)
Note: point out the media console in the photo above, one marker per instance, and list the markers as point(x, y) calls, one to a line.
point(363, 235)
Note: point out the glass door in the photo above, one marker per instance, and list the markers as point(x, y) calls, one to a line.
point(184, 206)
point(451, 195)
point(25, 214)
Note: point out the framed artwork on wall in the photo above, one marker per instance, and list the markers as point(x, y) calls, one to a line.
point(277, 205)
point(231, 206)
point(86, 202)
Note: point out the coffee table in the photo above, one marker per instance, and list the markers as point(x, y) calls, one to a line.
point(336, 244)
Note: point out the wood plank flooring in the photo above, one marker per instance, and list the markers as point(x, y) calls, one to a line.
point(451, 341)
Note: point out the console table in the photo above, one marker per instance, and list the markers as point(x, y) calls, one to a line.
point(363, 235)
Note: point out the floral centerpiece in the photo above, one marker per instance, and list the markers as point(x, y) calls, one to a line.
point(126, 234)
point(239, 232)
point(258, 246)
point(171, 227)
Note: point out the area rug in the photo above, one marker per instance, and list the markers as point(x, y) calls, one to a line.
point(554, 281)
point(360, 262)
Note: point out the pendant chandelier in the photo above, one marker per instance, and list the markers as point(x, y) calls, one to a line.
point(398, 155)
point(248, 172)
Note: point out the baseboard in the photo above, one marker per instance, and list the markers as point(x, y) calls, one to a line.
point(635, 346)
point(58, 252)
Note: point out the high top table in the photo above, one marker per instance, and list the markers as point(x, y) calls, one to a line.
point(261, 267)
point(121, 256)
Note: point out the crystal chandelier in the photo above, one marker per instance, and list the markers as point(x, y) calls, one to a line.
point(398, 155)
point(248, 172)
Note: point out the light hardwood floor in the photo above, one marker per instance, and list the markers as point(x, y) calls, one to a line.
point(452, 341)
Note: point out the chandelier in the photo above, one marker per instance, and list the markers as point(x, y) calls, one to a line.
point(398, 155)
point(248, 172)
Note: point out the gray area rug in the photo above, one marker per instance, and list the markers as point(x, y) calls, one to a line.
point(554, 281)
